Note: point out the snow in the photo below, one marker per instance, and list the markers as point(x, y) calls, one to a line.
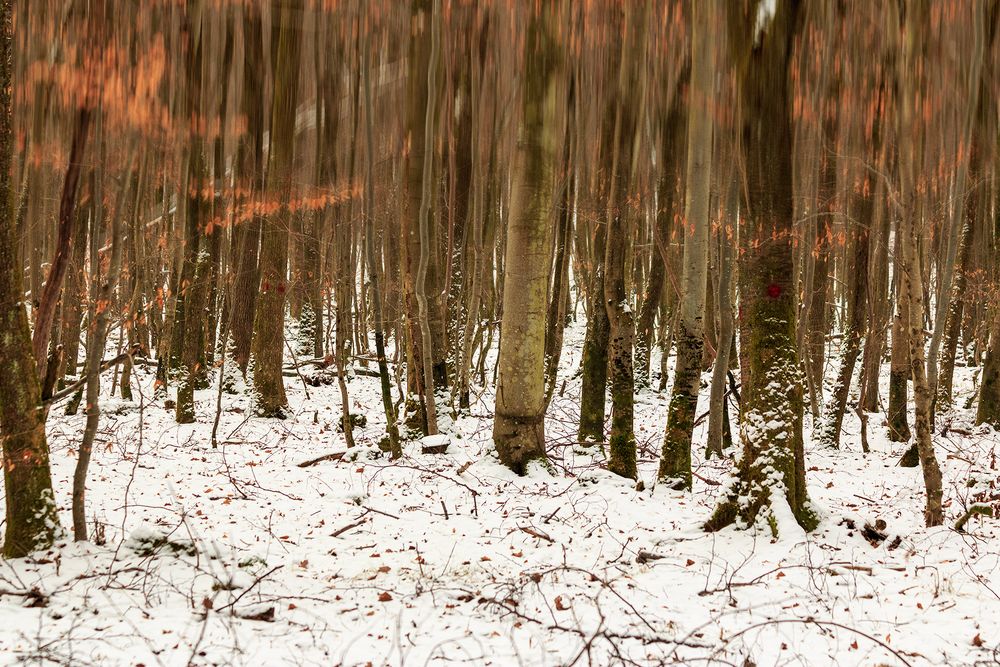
point(766, 10)
point(450, 558)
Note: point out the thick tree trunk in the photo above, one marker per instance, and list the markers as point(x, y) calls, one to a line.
point(519, 426)
point(269, 322)
point(32, 522)
point(772, 468)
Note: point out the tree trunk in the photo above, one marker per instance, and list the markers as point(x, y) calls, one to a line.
point(717, 408)
point(988, 411)
point(910, 159)
point(60, 262)
point(32, 522)
point(247, 225)
point(899, 361)
point(192, 297)
point(269, 339)
point(595, 350)
point(675, 461)
point(772, 468)
point(519, 425)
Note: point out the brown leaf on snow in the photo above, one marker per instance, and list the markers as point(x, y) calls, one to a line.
point(384, 597)
point(977, 640)
point(560, 605)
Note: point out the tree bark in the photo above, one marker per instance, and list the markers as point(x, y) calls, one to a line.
point(519, 425)
point(32, 522)
point(675, 461)
point(269, 332)
point(772, 468)
point(910, 159)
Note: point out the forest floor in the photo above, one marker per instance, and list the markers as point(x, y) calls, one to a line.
point(239, 556)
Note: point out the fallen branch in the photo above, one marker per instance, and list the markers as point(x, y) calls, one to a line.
point(335, 456)
point(341, 531)
point(536, 533)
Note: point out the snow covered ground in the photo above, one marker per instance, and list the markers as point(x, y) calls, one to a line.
point(238, 556)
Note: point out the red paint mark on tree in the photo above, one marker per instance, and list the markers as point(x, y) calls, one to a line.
point(774, 290)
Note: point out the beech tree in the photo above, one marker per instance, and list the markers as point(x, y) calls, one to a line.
point(771, 470)
point(31, 523)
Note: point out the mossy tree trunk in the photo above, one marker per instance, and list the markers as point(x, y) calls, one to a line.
point(988, 411)
point(594, 366)
point(519, 425)
point(32, 522)
point(675, 460)
point(625, 117)
point(771, 469)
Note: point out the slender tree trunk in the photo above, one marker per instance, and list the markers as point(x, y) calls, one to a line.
point(899, 361)
point(864, 215)
point(247, 226)
point(675, 461)
point(103, 294)
point(423, 227)
point(946, 268)
point(75, 294)
point(595, 351)
point(910, 159)
point(392, 431)
point(717, 406)
point(67, 219)
point(192, 296)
